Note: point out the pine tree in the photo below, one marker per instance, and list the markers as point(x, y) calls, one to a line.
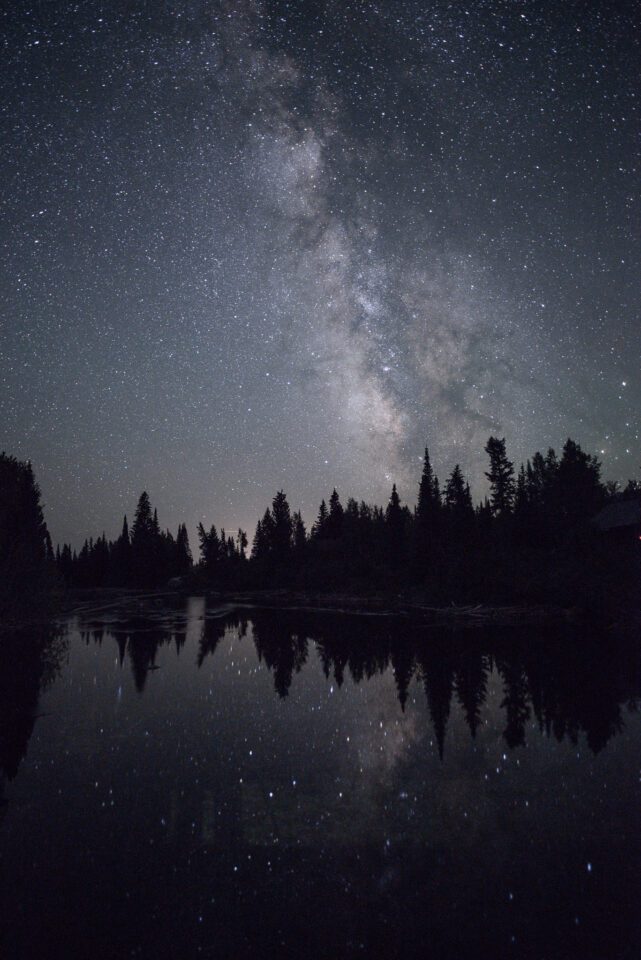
point(282, 527)
point(210, 552)
point(183, 556)
point(319, 530)
point(429, 499)
point(458, 499)
point(258, 543)
point(143, 527)
point(300, 534)
point(580, 491)
point(24, 538)
point(146, 545)
point(264, 537)
point(335, 518)
point(521, 497)
point(394, 528)
point(241, 543)
point(427, 530)
point(501, 477)
point(119, 572)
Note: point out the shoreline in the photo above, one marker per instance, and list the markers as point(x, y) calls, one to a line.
point(392, 606)
point(96, 601)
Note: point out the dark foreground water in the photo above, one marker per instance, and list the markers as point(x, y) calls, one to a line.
point(190, 783)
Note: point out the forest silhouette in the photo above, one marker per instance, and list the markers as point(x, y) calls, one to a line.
point(532, 540)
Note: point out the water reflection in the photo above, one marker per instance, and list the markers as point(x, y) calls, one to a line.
point(29, 663)
point(570, 682)
point(260, 783)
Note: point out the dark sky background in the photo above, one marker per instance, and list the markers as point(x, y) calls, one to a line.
point(249, 245)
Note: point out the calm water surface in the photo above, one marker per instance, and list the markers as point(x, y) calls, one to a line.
point(195, 782)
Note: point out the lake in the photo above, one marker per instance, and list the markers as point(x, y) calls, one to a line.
point(196, 781)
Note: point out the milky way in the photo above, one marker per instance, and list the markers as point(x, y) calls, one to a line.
point(259, 245)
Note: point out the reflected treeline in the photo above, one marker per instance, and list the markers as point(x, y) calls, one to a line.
point(565, 682)
point(29, 662)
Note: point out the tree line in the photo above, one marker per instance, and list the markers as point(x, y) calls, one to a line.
point(447, 546)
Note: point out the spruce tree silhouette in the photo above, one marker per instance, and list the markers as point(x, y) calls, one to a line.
point(394, 529)
point(335, 518)
point(282, 528)
point(183, 560)
point(319, 530)
point(501, 477)
point(145, 544)
point(458, 498)
point(427, 517)
point(241, 544)
point(300, 534)
point(24, 554)
point(209, 548)
point(267, 527)
point(580, 491)
point(259, 547)
point(120, 558)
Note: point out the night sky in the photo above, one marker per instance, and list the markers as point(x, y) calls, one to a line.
point(256, 245)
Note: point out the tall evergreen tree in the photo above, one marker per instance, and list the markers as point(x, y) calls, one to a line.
point(300, 534)
point(259, 548)
point(580, 490)
point(319, 530)
point(183, 556)
point(143, 528)
point(210, 552)
point(501, 477)
point(335, 518)
point(241, 544)
point(263, 545)
point(282, 527)
point(458, 499)
point(427, 526)
point(24, 537)
point(429, 499)
point(394, 528)
point(119, 574)
point(147, 552)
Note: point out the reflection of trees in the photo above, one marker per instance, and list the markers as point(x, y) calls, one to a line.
point(571, 684)
point(515, 701)
point(28, 664)
point(403, 667)
point(142, 647)
point(180, 638)
point(437, 674)
point(284, 652)
point(582, 689)
point(212, 633)
point(470, 683)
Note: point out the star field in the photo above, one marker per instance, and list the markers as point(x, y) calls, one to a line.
point(250, 245)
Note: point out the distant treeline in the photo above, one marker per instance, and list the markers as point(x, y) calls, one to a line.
point(530, 540)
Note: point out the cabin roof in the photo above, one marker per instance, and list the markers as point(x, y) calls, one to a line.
point(623, 513)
